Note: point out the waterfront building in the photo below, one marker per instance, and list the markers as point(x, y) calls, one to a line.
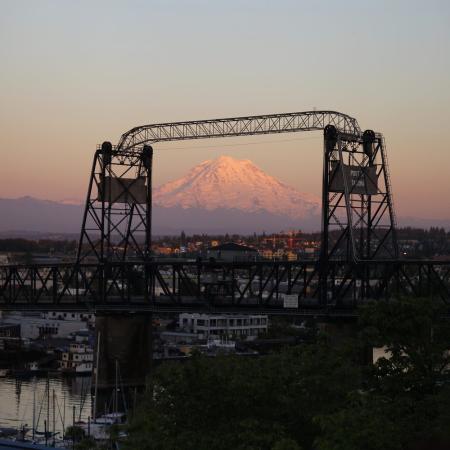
point(37, 325)
point(78, 360)
point(233, 325)
point(68, 315)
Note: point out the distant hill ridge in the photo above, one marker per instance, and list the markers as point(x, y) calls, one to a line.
point(27, 215)
point(225, 195)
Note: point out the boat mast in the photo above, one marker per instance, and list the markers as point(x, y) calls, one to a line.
point(54, 419)
point(97, 359)
point(48, 406)
point(34, 407)
point(116, 387)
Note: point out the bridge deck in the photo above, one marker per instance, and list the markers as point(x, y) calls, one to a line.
point(301, 287)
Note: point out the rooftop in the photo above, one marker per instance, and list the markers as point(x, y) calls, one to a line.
point(233, 247)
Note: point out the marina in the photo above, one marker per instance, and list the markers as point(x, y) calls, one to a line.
point(53, 404)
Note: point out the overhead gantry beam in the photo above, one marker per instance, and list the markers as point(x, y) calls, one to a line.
point(238, 126)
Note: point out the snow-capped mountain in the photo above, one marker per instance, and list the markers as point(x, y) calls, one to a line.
point(228, 183)
point(221, 196)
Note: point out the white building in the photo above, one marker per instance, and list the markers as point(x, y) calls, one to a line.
point(33, 326)
point(68, 315)
point(78, 360)
point(233, 325)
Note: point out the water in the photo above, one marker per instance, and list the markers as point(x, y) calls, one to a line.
point(16, 401)
point(379, 352)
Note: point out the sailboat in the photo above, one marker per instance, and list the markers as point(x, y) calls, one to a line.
point(99, 426)
point(46, 435)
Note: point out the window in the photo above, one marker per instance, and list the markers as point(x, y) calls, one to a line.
point(47, 330)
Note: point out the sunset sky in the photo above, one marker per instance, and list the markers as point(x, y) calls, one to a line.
point(76, 73)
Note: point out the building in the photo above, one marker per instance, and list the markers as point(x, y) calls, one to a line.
point(65, 315)
point(9, 336)
point(36, 325)
point(278, 254)
point(291, 256)
point(267, 253)
point(79, 359)
point(232, 252)
point(232, 325)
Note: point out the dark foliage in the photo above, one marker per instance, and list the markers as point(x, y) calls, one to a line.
point(39, 246)
point(314, 396)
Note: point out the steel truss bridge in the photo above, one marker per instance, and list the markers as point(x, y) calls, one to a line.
point(257, 286)
point(115, 270)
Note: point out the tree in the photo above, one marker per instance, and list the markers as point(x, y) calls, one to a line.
point(416, 338)
point(405, 403)
point(313, 396)
point(231, 402)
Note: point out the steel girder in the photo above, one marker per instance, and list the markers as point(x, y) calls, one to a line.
point(238, 126)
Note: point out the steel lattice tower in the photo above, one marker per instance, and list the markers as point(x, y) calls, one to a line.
point(358, 221)
point(117, 217)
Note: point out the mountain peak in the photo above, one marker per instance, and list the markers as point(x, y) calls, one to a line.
point(229, 183)
point(225, 161)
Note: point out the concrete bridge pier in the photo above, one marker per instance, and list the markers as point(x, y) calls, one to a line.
point(124, 360)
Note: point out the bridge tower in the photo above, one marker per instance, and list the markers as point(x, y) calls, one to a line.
point(117, 216)
point(358, 220)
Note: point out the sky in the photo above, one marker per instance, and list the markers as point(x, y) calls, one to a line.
point(76, 73)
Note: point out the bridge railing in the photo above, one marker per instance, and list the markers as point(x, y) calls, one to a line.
point(202, 285)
